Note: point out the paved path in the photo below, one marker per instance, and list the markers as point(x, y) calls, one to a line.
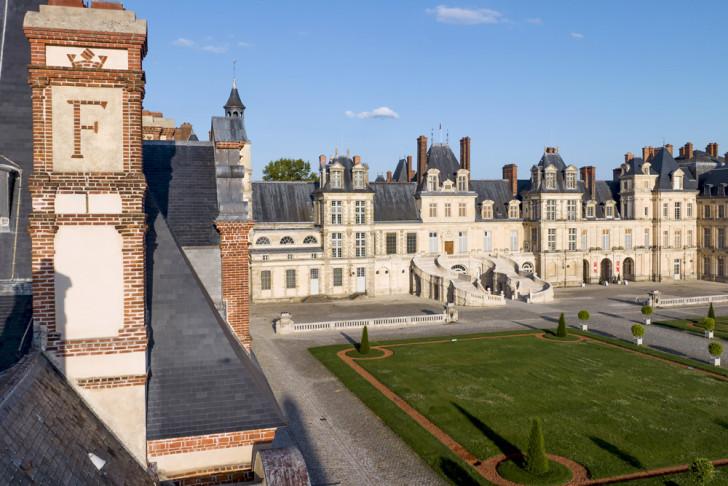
point(344, 443)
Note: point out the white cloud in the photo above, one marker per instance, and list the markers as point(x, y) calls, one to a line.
point(244, 44)
point(381, 112)
point(214, 49)
point(577, 35)
point(465, 16)
point(182, 42)
point(534, 21)
point(208, 45)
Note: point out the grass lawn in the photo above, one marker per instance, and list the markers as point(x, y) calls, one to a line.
point(611, 410)
point(694, 325)
point(721, 478)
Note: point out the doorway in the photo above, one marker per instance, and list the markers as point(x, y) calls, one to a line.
point(449, 247)
point(361, 280)
point(586, 274)
point(314, 281)
point(606, 273)
point(628, 269)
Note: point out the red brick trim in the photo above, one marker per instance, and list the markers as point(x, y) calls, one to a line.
point(111, 381)
point(181, 445)
point(229, 145)
point(215, 475)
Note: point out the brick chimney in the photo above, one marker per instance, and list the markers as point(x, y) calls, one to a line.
point(421, 157)
point(688, 150)
point(647, 153)
point(510, 173)
point(628, 157)
point(465, 153)
point(66, 3)
point(389, 177)
point(712, 149)
point(552, 150)
point(589, 176)
point(357, 160)
point(669, 147)
point(409, 168)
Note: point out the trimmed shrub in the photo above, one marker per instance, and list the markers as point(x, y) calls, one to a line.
point(583, 315)
point(646, 310)
point(638, 331)
point(536, 461)
point(715, 349)
point(364, 343)
point(701, 471)
point(709, 324)
point(561, 330)
point(711, 311)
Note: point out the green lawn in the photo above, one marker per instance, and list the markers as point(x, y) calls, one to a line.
point(694, 325)
point(612, 411)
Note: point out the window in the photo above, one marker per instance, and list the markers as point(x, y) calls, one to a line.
point(462, 242)
point(488, 241)
point(721, 267)
point(513, 211)
point(290, 256)
point(411, 243)
point(391, 243)
point(647, 211)
point(550, 180)
point(265, 258)
point(487, 211)
point(590, 211)
point(361, 244)
point(647, 238)
point(690, 210)
point(551, 239)
point(665, 239)
point(360, 212)
point(584, 240)
point(721, 211)
point(514, 240)
point(433, 242)
point(571, 180)
point(336, 179)
point(689, 241)
point(677, 182)
point(572, 239)
point(551, 210)
point(628, 239)
point(290, 279)
point(571, 210)
point(609, 210)
point(262, 241)
point(678, 239)
point(432, 183)
point(462, 210)
point(358, 179)
point(706, 266)
point(605, 240)
point(310, 240)
point(7, 186)
point(678, 210)
point(535, 240)
point(265, 281)
point(287, 240)
point(462, 183)
point(707, 237)
point(337, 209)
point(706, 211)
point(336, 245)
point(338, 277)
point(448, 210)
point(721, 238)
point(433, 210)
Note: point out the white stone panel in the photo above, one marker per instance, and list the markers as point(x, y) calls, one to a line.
point(175, 464)
point(104, 365)
point(70, 204)
point(89, 282)
point(104, 203)
point(68, 56)
point(94, 144)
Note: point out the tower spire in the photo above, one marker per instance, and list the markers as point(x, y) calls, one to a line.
point(234, 106)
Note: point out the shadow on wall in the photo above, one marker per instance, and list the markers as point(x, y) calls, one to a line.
point(15, 314)
point(297, 433)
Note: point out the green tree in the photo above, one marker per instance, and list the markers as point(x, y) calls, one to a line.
point(561, 330)
point(288, 170)
point(702, 471)
point(583, 315)
point(638, 331)
point(646, 310)
point(709, 324)
point(364, 343)
point(536, 461)
point(715, 349)
point(711, 311)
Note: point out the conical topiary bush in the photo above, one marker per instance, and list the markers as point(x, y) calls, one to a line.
point(364, 343)
point(536, 461)
point(561, 330)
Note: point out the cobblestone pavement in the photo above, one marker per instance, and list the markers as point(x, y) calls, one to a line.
point(344, 443)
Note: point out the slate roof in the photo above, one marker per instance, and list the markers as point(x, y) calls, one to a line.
point(234, 100)
point(400, 172)
point(201, 381)
point(441, 157)
point(348, 164)
point(181, 176)
point(395, 201)
point(714, 183)
point(279, 202)
point(549, 159)
point(48, 431)
point(498, 191)
point(16, 130)
point(229, 129)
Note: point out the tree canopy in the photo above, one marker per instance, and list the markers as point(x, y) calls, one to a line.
point(288, 170)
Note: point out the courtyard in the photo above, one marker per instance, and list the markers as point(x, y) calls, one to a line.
point(610, 409)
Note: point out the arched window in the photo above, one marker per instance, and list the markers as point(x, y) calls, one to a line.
point(310, 240)
point(527, 268)
point(262, 241)
point(286, 240)
point(458, 268)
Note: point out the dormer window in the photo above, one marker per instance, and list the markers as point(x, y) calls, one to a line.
point(336, 179)
point(432, 183)
point(550, 180)
point(590, 210)
point(609, 210)
point(486, 210)
point(513, 210)
point(646, 168)
point(359, 177)
point(571, 179)
point(677, 180)
point(7, 185)
point(462, 183)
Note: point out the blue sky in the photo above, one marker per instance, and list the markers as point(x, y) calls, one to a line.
point(596, 78)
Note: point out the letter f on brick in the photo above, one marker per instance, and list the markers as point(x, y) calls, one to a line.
point(77, 127)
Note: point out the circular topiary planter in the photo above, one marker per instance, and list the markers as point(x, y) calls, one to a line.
point(513, 470)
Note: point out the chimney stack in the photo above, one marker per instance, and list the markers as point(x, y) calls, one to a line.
point(322, 161)
point(510, 173)
point(689, 150)
point(628, 157)
point(647, 153)
point(421, 157)
point(409, 168)
point(668, 147)
point(616, 173)
point(589, 176)
point(465, 153)
point(712, 149)
point(389, 177)
point(552, 150)
point(357, 159)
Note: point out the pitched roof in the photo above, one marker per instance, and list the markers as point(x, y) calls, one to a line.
point(181, 176)
point(441, 157)
point(400, 172)
point(552, 158)
point(395, 201)
point(201, 381)
point(664, 165)
point(234, 100)
point(48, 432)
point(229, 129)
point(498, 191)
point(283, 202)
point(714, 183)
